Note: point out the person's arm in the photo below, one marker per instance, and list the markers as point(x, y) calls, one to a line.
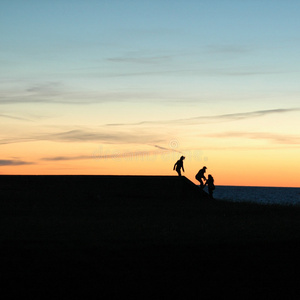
point(174, 166)
point(182, 168)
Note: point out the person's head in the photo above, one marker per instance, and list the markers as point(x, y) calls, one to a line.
point(182, 158)
point(209, 176)
point(204, 168)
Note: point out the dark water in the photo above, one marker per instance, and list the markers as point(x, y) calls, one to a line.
point(262, 195)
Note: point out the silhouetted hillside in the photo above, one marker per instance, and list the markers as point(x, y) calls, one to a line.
point(143, 236)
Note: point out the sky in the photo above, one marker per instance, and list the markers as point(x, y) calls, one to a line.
point(127, 87)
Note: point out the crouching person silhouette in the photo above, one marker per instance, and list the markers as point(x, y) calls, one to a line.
point(200, 175)
point(211, 186)
point(179, 165)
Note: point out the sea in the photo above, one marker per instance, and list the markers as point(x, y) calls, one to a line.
point(262, 195)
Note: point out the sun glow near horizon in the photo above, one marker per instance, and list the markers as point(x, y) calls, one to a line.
point(228, 167)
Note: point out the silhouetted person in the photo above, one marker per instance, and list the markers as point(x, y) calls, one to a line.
point(210, 184)
point(179, 165)
point(201, 175)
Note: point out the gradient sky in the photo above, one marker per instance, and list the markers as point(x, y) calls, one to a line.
point(127, 87)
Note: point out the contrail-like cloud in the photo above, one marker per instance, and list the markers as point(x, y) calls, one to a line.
point(110, 155)
point(214, 119)
point(100, 155)
point(13, 117)
point(277, 138)
point(88, 135)
point(62, 158)
point(8, 162)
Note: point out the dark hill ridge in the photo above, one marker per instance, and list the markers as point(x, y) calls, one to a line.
point(143, 236)
point(102, 187)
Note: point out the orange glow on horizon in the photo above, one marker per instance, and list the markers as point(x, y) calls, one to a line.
point(257, 170)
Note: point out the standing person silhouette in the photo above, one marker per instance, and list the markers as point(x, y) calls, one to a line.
point(179, 165)
point(201, 175)
point(211, 186)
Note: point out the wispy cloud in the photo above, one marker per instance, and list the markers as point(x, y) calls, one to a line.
point(143, 73)
point(55, 93)
point(252, 114)
point(115, 154)
point(134, 154)
point(273, 137)
point(14, 117)
point(173, 149)
point(110, 155)
point(61, 158)
point(227, 72)
point(214, 119)
point(102, 136)
point(46, 89)
point(99, 155)
point(88, 135)
point(158, 59)
point(47, 92)
point(58, 93)
point(8, 162)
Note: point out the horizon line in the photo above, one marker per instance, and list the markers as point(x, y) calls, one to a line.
point(145, 175)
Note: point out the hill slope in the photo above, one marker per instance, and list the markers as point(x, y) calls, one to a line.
point(155, 236)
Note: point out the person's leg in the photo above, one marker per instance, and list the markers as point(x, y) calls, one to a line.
point(201, 183)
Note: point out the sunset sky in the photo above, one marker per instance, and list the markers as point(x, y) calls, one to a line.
point(126, 87)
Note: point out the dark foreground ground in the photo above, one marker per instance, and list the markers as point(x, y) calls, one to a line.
point(75, 237)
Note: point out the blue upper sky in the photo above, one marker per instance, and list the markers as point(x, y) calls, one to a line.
point(72, 40)
point(78, 51)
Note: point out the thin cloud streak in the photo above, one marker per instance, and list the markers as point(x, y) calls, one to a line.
point(59, 94)
point(87, 135)
point(185, 72)
point(166, 149)
point(250, 147)
point(62, 158)
point(214, 119)
point(7, 162)
point(138, 154)
point(276, 138)
point(100, 155)
point(141, 59)
point(90, 136)
point(17, 140)
point(103, 135)
point(14, 118)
